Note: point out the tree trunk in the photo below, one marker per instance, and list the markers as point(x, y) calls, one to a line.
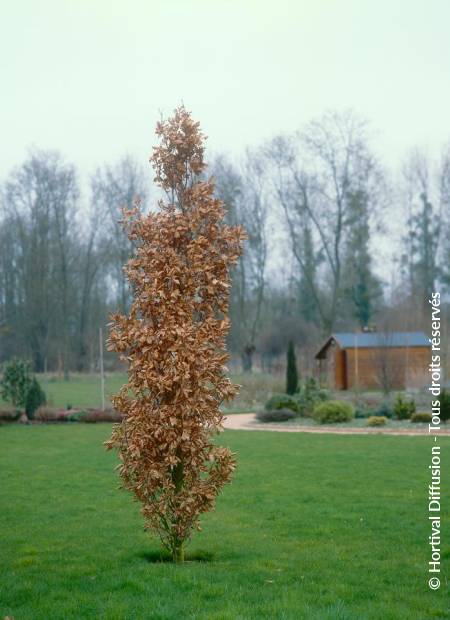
point(247, 358)
point(178, 478)
point(178, 553)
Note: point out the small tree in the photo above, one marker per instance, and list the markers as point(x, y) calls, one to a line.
point(16, 383)
point(291, 370)
point(174, 341)
point(21, 388)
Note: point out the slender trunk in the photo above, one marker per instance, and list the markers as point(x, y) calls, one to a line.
point(247, 358)
point(177, 544)
point(178, 553)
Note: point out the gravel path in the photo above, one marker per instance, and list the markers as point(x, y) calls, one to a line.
point(248, 422)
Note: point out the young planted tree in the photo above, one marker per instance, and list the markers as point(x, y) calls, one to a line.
point(174, 341)
point(291, 370)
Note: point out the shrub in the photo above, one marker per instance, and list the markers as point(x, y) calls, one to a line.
point(49, 414)
point(276, 415)
point(362, 411)
point(444, 400)
point(376, 420)
point(282, 401)
point(333, 411)
point(403, 409)
point(9, 414)
point(97, 415)
point(384, 410)
point(421, 417)
point(35, 398)
point(74, 415)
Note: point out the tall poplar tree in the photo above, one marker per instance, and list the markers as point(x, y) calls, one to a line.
point(174, 341)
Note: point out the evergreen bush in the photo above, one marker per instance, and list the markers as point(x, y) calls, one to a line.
point(282, 401)
point(333, 411)
point(403, 409)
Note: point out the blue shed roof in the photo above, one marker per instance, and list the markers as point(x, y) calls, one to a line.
point(366, 340)
point(347, 340)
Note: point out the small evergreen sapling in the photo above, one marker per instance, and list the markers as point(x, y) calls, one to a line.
point(35, 398)
point(174, 342)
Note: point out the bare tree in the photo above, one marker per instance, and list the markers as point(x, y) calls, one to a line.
point(314, 174)
point(245, 197)
point(10, 307)
point(113, 188)
point(40, 200)
point(63, 196)
point(92, 254)
point(421, 195)
point(444, 210)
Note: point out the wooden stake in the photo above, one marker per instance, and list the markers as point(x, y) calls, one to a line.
point(102, 374)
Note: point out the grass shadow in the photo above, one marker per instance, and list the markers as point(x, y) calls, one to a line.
point(156, 557)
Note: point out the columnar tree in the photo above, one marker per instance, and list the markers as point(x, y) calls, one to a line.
point(174, 341)
point(291, 370)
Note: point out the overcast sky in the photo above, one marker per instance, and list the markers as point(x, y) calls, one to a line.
point(89, 77)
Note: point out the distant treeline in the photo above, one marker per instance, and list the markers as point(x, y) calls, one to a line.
point(320, 211)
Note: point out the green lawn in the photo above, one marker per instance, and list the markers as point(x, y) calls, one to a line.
point(313, 527)
point(84, 390)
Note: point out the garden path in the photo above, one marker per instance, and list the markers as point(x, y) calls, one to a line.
point(248, 422)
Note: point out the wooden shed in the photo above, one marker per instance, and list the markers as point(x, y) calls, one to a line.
point(374, 360)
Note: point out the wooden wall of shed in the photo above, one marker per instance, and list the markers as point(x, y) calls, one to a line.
point(340, 369)
point(366, 367)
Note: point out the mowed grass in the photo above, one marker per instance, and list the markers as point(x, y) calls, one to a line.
point(84, 390)
point(313, 527)
point(81, 390)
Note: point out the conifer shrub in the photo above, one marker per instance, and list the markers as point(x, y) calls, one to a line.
point(384, 410)
point(403, 409)
point(291, 370)
point(444, 400)
point(35, 398)
point(309, 395)
point(333, 411)
point(363, 412)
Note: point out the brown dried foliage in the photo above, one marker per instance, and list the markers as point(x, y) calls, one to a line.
point(174, 342)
